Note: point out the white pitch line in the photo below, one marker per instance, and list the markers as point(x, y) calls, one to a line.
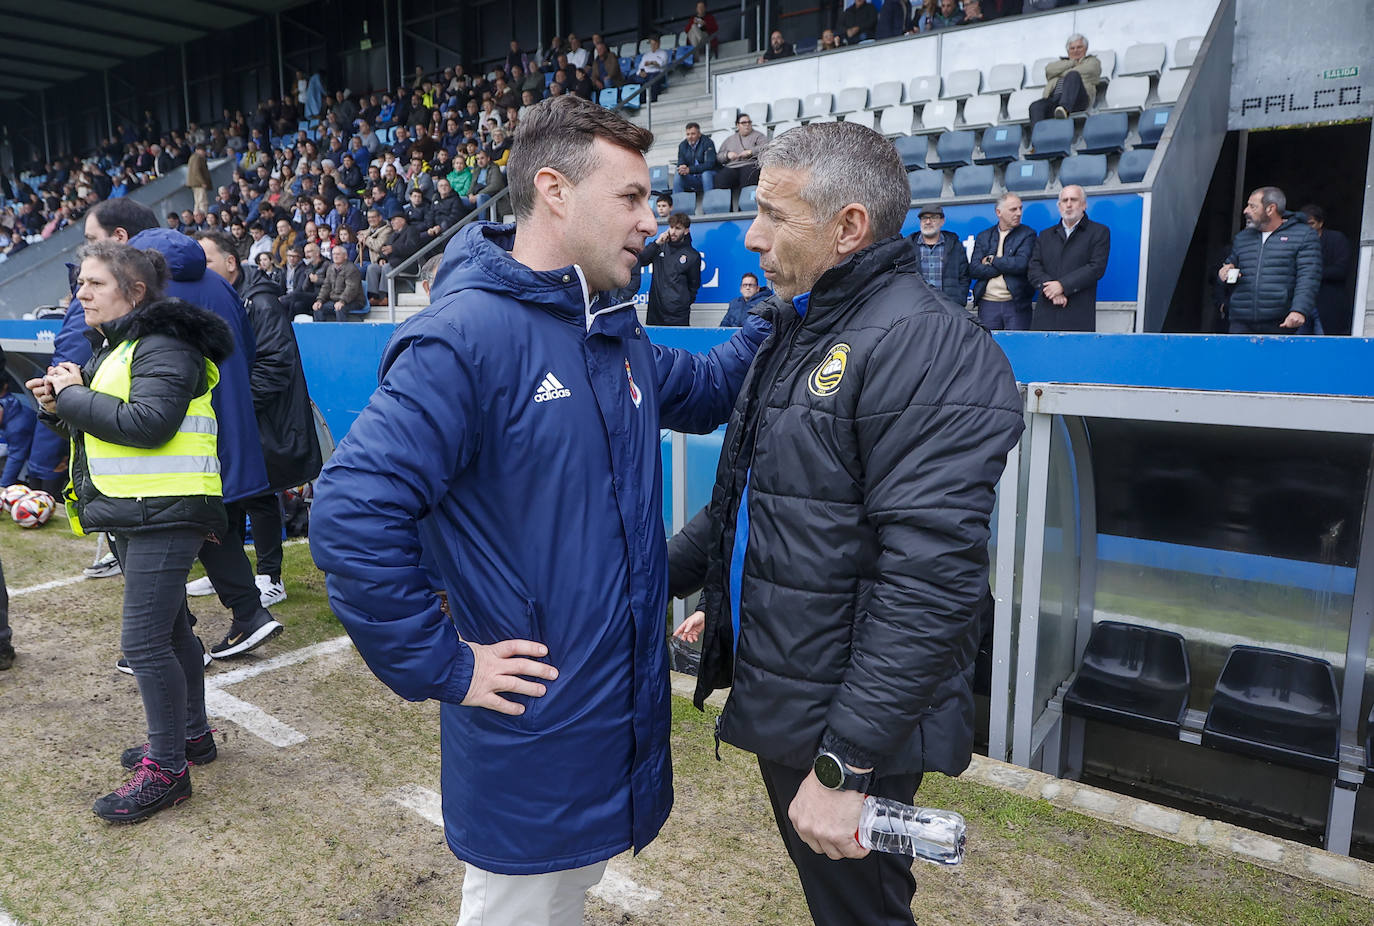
point(251, 718)
point(7, 920)
point(615, 887)
point(295, 657)
point(55, 583)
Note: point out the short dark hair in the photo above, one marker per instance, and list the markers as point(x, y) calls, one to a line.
point(1314, 212)
point(558, 133)
point(664, 198)
point(693, 125)
point(679, 220)
point(126, 214)
point(220, 240)
point(750, 276)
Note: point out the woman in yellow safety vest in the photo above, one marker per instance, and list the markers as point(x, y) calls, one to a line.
point(145, 468)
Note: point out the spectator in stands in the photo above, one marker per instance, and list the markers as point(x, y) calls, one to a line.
point(548, 55)
point(973, 12)
point(261, 244)
point(265, 268)
point(342, 289)
point(1000, 265)
point(1277, 262)
point(297, 295)
point(578, 56)
point(651, 65)
point(605, 70)
point(859, 22)
point(1068, 259)
point(777, 48)
point(701, 30)
point(696, 162)
point(829, 41)
point(1334, 309)
point(198, 178)
point(663, 207)
point(940, 256)
point(739, 156)
point(487, 178)
point(417, 212)
point(447, 209)
point(941, 14)
point(174, 222)
point(284, 242)
point(894, 19)
point(677, 273)
point(1070, 82)
point(498, 148)
point(405, 241)
point(749, 296)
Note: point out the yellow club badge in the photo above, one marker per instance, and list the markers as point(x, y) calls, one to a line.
point(825, 379)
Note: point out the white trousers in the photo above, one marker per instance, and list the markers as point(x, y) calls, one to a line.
point(553, 899)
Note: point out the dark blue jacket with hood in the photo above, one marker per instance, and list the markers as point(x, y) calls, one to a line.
point(515, 436)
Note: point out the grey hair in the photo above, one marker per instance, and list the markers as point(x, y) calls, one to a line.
point(129, 266)
point(1076, 37)
point(1006, 196)
point(430, 269)
point(847, 163)
point(1272, 194)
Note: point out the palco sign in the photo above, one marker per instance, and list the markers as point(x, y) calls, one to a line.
point(1297, 64)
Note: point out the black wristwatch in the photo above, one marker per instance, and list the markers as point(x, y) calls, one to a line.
point(832, 773)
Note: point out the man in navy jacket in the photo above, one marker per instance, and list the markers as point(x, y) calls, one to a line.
point(1002, 292)
point(514, 441)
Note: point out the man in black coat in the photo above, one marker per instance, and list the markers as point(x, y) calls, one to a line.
point(1333, 302)
point(850, 519)
point(1066, 263)
point(1002, 292)
point(677, 273)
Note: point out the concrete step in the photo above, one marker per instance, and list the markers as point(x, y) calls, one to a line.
point(412, 299)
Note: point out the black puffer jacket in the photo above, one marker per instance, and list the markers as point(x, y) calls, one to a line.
point(677, 277)
point(286, 424)
point(872, 433)
point(168, 370)
point(1277, 276)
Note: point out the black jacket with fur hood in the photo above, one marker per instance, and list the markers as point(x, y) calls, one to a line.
point(175, 339)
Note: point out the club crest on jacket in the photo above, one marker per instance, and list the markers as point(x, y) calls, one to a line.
point(825, 379)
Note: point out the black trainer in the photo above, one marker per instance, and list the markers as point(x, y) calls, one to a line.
point(151, 789)
point(244, 638)
point(122, 664)
point(6, 657)
point(199, 751)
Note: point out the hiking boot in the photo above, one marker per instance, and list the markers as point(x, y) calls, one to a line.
point(244, 638)
point(270, 591)
point(150, 790)
point(123, 664)
point(200, 587)
point(103, 568)
point(6, 657)
point(199, 751)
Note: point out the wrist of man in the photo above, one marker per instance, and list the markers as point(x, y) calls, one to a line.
point(851, 754)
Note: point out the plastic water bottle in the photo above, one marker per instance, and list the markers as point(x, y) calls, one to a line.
point(890, 826)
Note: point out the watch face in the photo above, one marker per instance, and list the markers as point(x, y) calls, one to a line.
point(829, 772)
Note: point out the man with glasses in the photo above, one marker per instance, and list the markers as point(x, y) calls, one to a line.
point(943, 263)
point(738, 156)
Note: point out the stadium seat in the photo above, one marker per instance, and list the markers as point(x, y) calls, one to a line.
point(643, 46)
point(897, 120)
point(1152, 124)
point(1131, 676)
point(1105, 133)
point(1001, 145)
point(719, 136)
point(1185, 51)
point(953, 149)
point(912, 149)
point(787, 109)
point(939, 116)
point(1276, 706)
point(1146, 58)
point(746, 198)
point(785, 127)
point(714, 202)
point(961, 84)
point(816, 104)
point(1133, 165)
point(660, 177)
point(669, 40)
point(632, 96)
point(685, 202)
point(1108, 59)
point(983, 109)
point(1125, 93)
point(627, 66)
point(887, 93)
point(864, 117)
point(1084, 170)
point(1018, 104)
point(1052, 138)
point(1004, 78)
point(1027, 176)
point(973, 180)
point(926, 184)
point(1036, 77)
point(758, 112)
point(724, 118)
point(609, 98)
point(628, 49)
point(922, 89)
point(851, 99)
point(1170, 86)
point(828, 117)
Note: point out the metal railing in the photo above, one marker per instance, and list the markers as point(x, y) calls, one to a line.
point(417, 259)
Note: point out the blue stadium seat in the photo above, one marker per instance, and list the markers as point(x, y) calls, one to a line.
point(1134, 164)
point(1105, 133)
point(685, 202)
point(926, 184)
point(627, 67)
point(388, 135)
point(1001, 145)
point(715, 202)
point(609, 98)
point(805, 46)
point(1052, 138)
point(1027, 176)
point(912, 149)
point(1152, 124)
point(1131, 676)
point(973, 180)
point(746, 199)
point(953, 149)
point(632, 95)
point(1084, 170)
point(302, 126)
point(660, 177)
point(548, 76)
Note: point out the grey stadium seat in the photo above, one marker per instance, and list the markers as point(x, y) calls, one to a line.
point(1185, 51)
point(887, 93)
point(1146, 58)
point(864, 117)
point(1004, 78)
point(1170, 86)
point(926, 184)
point(1134, 164)
point(1036, 77)
point(782, 127)
point(816, 104)
point(1108, 59)
point(1125, 93)
point(787, 109)
point(983, 109)
point(922, 89)
point(1018, 104)
point(1027, 176)
point(724, 118)
point(685, 202)
point(1105, 133)
point(896, 120)
point(1000, 145)
point(715, 202)
point(718, 137)
point(1152, 125)
point(973, 180)
point(961, 84)
point(953, 149)
point(939, 116)
point(758, 112)
point(1052, 138)
point(1084, 170)
point(852, 99)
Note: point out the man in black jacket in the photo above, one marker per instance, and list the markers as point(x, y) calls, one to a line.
point(677, 273)
point(849, 521)
point(940, 256)
point(1001, 259)
point(1068, 259)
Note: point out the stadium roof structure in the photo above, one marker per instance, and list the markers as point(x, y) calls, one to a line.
point(49, 43)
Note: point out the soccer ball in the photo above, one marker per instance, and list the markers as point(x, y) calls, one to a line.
point(33, 509)
point(12, 494)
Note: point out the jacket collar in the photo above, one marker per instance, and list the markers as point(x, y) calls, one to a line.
point(841, 286)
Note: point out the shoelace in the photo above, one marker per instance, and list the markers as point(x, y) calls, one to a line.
point(148, 773)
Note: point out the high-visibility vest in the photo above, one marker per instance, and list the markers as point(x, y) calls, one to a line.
point(188, 464)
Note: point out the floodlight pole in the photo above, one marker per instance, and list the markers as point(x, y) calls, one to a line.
point(281, 63)
point(185, 86)
point(109, 114)
point(43, 105)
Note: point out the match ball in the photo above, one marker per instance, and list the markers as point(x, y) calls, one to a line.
point(12, 494)
point(33, 509)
